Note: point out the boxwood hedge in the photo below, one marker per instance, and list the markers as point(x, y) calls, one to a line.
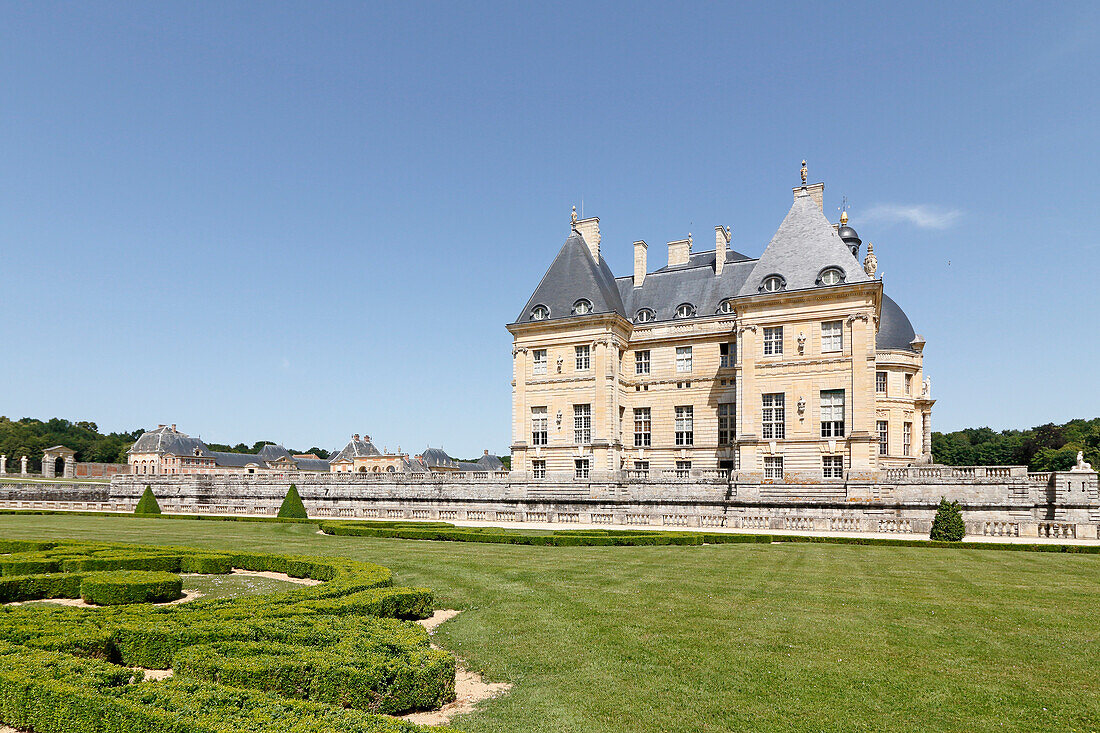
point(327, 657)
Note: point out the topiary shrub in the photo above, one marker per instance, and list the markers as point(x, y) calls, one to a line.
point(948, 525)
point(292, 506)
point(148, 503)
point(130, 586)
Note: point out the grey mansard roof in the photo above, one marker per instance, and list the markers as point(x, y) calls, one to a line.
point(575, 275)
point(166, 440)
point(438, 458)
point(804, 245)
point(356, 449)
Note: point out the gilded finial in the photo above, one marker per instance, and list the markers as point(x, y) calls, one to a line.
point(803, 172)
point(843, 211)
point(844, 217)
point(574, 218)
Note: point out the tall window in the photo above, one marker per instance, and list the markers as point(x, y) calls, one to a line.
point(685, 425)
point(643, 425)
point(580, 468)
point(642, 467)
point(883, 428)
point(907, 439)
point(773, 341)
point(908, 384)
point(641, 362)
point(832, 466)
point(582, 424)
point(729, 355)
point(726, 423)
point(880, 382)
point(538, 469)
point(538, 425)
point(683, 469)
point(773, 467)
point(584, 358)
point(832, 336)
point(683, 358)
point(773, 416)
point(832, 413)
point(539, 356)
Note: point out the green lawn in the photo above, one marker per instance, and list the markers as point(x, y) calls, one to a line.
point(782, 637)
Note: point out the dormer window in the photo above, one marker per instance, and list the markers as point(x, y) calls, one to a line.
point(540, 313)
point(772, 284)
point(831, 276)
point(725, 307)
point(645, 315)
point(685, 310)
point(582, 307)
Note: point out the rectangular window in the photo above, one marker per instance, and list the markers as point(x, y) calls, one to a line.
point(538, 469)
point(580, 468)
point(643, 425)
point(642, 467)
point(773, 417)
point(832, 466)
point(583, 358)
point(641, 362)
point(683, 358)
point(539, 356)
point(582, 424)
point(908, 384)
point(832, 336)
point(729, 355)
point(907, 439)
point(832, 413)
point(773, 341)
point(538, 425)
point(880, 382)
point(683, 469)
point(727, 430)
point(883, 428)
point(773, 468)
point(685, 425)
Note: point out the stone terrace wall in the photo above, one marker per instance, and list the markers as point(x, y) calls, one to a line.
point(996, 500)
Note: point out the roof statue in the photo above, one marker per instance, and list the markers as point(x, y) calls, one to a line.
point(803, 172)
point(870, 262)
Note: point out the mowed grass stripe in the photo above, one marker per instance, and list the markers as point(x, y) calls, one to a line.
point(783, 637)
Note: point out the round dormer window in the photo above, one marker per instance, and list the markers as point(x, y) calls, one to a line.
point(772, 284)
point(725, 307)
point(540, 313)
point(582, 308)
point(831, 276)
point(645, 315)
point(685, 310)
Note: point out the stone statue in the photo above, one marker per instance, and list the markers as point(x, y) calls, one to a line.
point(3, 465)
point(870, 262)
point(23, 466)
point(803, 173)
point(1082, 464)
point(927, 387)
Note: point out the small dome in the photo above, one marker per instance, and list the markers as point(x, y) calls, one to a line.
point(895, 332)
point(850, 238)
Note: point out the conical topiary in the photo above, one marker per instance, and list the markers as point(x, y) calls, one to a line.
point(292, 506)
point(148, 503)
point(948, 525)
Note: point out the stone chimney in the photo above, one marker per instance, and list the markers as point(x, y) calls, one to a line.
point(486, 451)
point(174, 428)
point(355, 437)
point(590, 229)
point(816, 192)
point(640, 249)
point(721, 241)
point(679, 251)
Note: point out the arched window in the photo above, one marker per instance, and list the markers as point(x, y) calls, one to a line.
point(362, 469)
point(685, 310)
point(582, 307)
point(645, 315)
point(772, 284)
point(389, 469)
point(831, 276)
point(540, 313)
point(725, 307)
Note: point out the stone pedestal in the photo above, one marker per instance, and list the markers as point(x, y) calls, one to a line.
point(3, 465)
point(23, 466)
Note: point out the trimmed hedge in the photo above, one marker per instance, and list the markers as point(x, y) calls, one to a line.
point(147, 504)
point(130, 586)
point(292, 506)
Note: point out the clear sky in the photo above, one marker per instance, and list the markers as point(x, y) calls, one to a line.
point(296, 221)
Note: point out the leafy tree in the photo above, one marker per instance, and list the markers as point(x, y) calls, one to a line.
point(292, 506)
point(147, 504)
point(319, 452)
point(948, 524)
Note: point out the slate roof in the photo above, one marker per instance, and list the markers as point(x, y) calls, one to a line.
point(438, 458)
point(803, 246)
point(356, 449)
point(235, 460)
point(166, 440)
point(574, 275)
point(312, 464)
point(895, 332)
point(271, 452)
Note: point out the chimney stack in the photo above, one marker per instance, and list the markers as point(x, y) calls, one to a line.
point(721, 241)
point(640, 250)
point(486, 451)
point(355, 437)
point(590, 229)
point(816, 191)
point(679, 251)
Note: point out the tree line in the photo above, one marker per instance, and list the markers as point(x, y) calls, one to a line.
point(1047, 447)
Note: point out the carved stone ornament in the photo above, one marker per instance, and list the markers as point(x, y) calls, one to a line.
point(1082, 464)
point(801, 342)
point(870, 262)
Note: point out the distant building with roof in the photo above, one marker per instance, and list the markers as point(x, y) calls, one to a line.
point(168, 451)
point(791, 363)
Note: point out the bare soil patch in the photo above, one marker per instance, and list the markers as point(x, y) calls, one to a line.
point(276, 576)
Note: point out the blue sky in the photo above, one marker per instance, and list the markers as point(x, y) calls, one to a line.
point(298, 221)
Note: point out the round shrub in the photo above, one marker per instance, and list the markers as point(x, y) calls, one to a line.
point(130, 586)
point(948, 525)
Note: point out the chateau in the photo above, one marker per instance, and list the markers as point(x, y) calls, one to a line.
point(794, 365)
